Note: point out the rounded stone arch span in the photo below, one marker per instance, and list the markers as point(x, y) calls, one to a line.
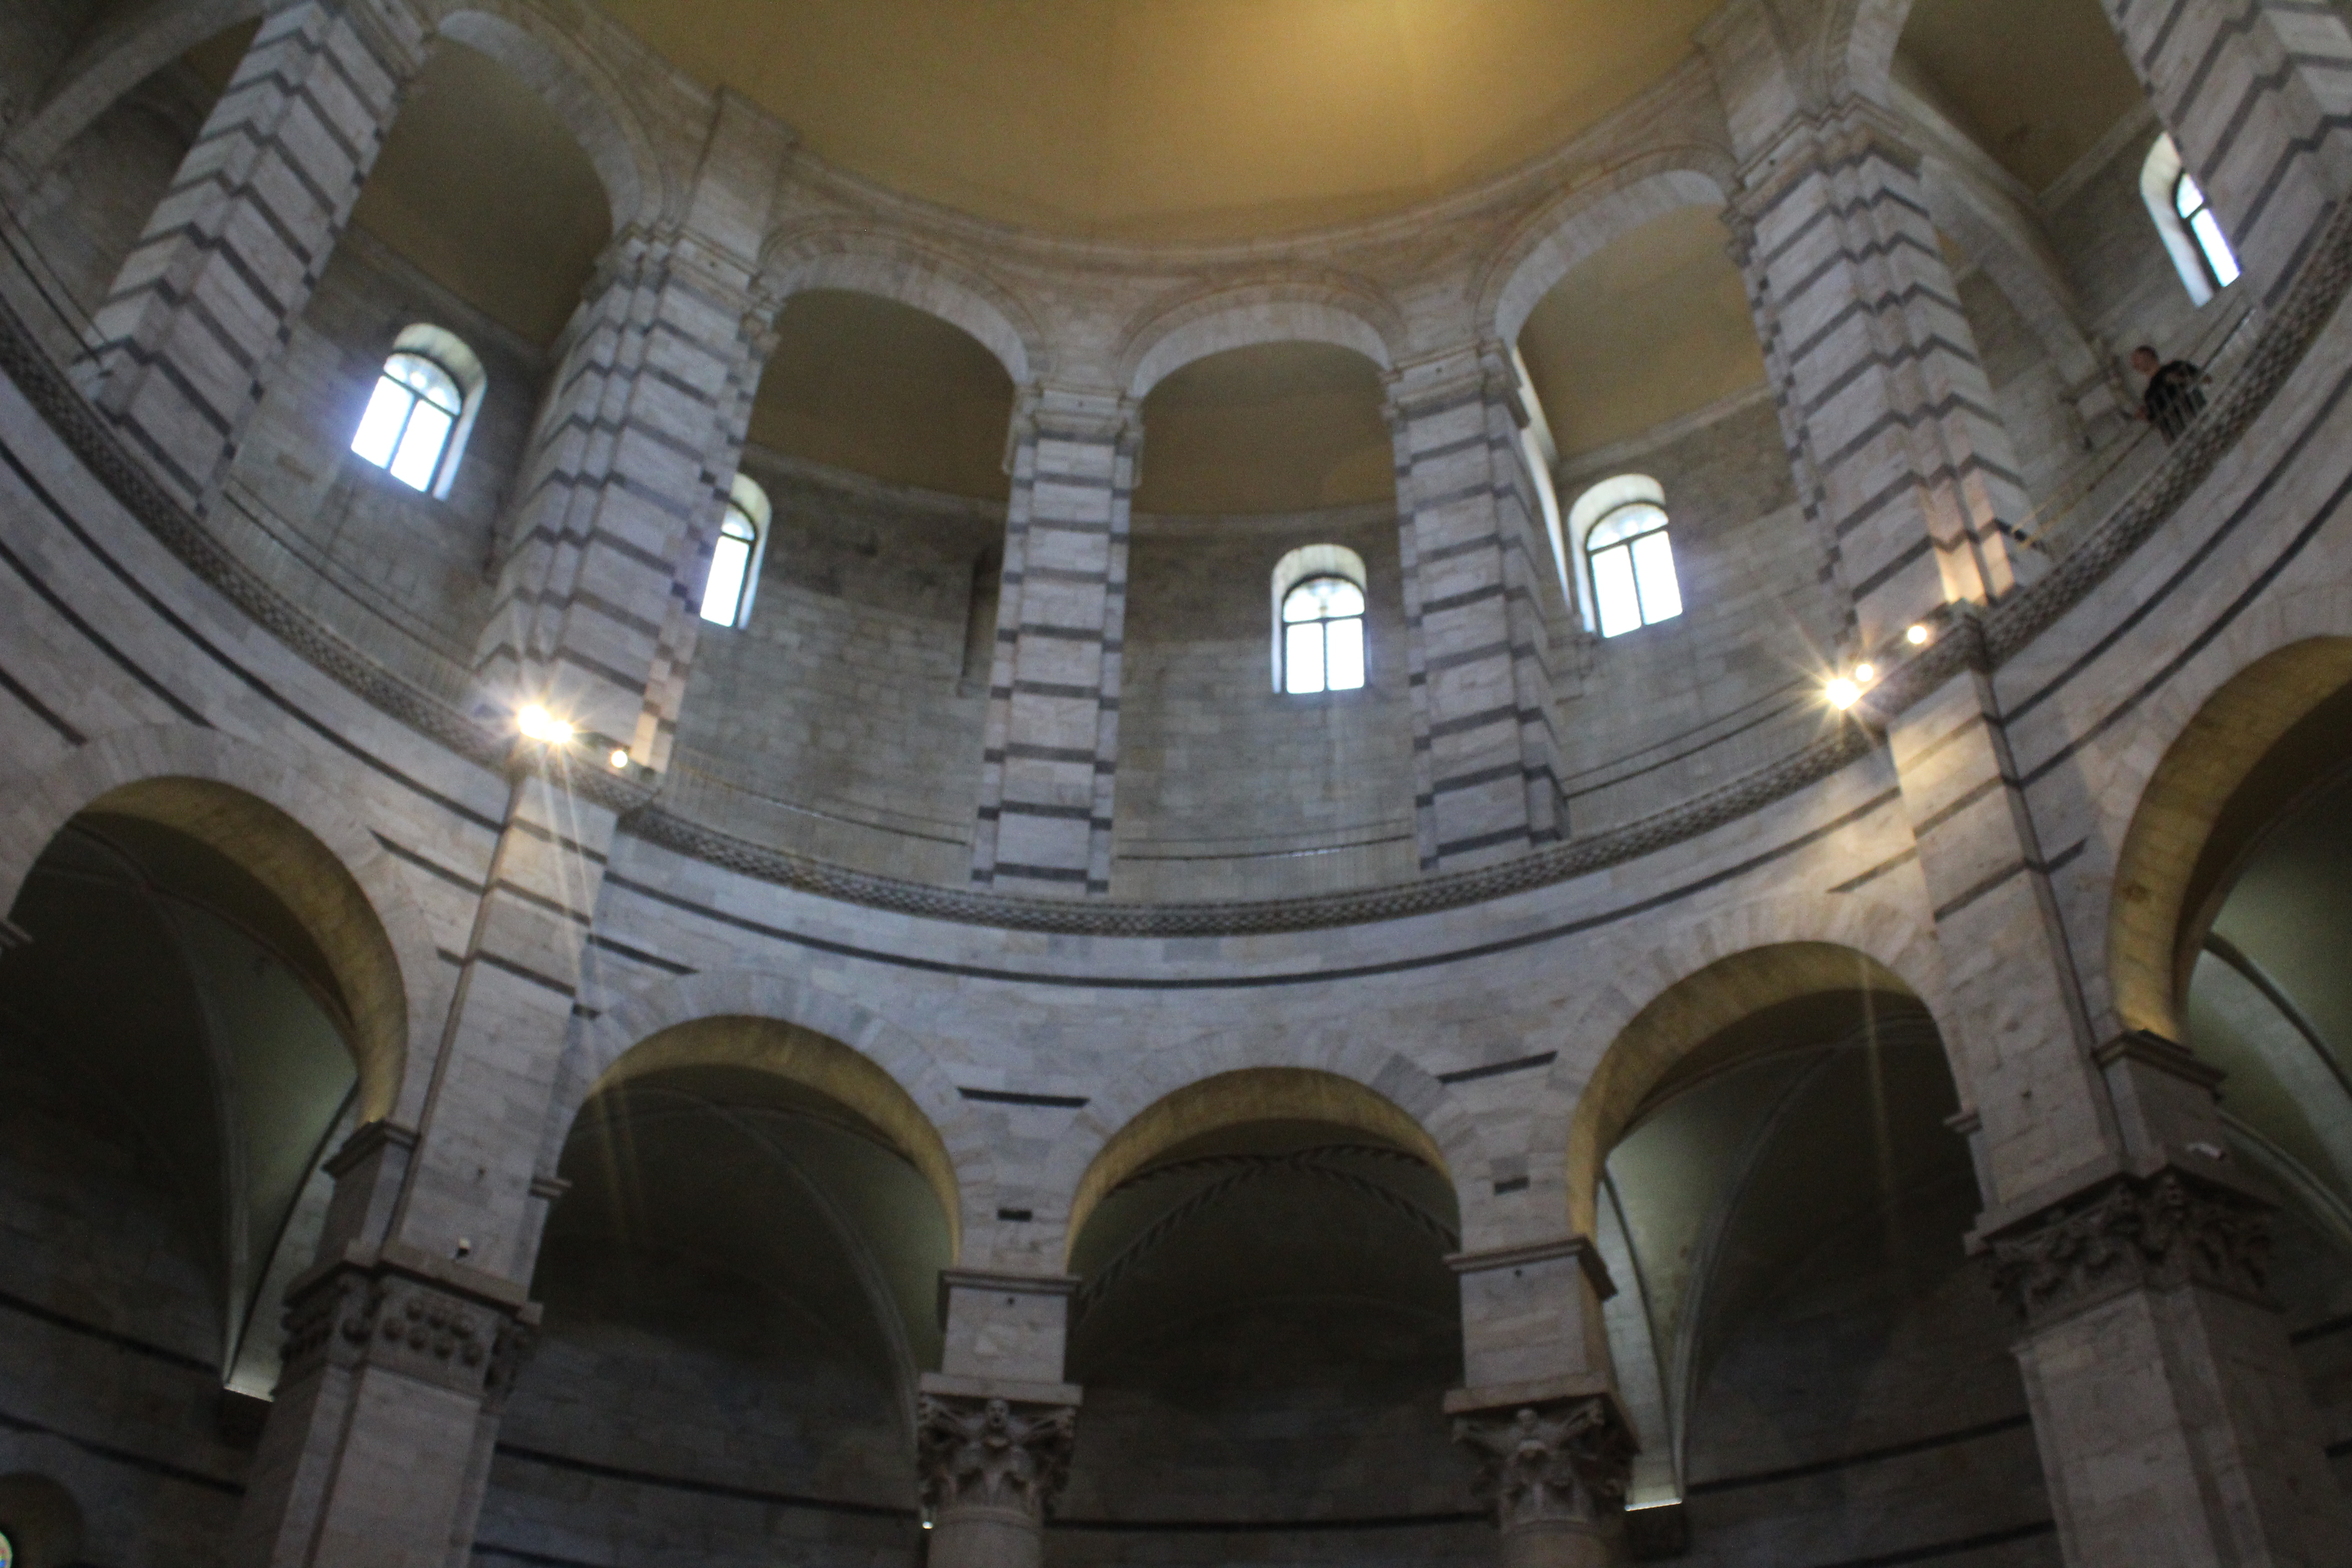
point(1663, 999)
point(1327, 1079)
point(891, 267)
point(581, 89)
point(1579, 226)
point(1858, 42)
point(1343, 313)
point(2209, 739)
point(135, 45)
point(822, 1040)
point(284, 824)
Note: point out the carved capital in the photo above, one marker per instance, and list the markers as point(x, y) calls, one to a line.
point(353, 1315)
point(2162, 1231)
point(1567, 1459)
point(993, 1453)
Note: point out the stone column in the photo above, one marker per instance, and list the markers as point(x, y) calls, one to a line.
point(203, 308)
point(1486, 759)
point(2175, 1429)
point(1050, 760)
point(394, 1357)
point(995, 1428)
point(1539, 1411)
point(621, 498)
point(1902, 452)
point(2258, 96)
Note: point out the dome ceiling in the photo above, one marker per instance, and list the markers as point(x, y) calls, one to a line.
point(1163, 119)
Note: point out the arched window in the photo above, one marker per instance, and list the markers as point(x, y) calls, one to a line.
point(1318, 621)
point(1622, 526)
point(735, 558)
point(421, 410)
point(2189, 228)
point(7, 1550)
point(2205, 228)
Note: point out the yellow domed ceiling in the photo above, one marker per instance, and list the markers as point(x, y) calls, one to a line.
point(1166, 119)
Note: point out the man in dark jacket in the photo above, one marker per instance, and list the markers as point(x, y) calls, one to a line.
point(2174, 398)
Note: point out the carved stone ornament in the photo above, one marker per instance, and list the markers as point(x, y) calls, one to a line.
point(992, 1453)
point(1565, 1461)
point(351, 1317)
point(2162, 1231)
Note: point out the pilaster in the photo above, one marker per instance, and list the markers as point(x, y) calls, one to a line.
point(1049, 766)
point(205, 307)
point(610, 545)
point(2258, 97)
point(1485, 756)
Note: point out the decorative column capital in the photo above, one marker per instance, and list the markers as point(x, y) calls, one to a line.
point(378, 1310)
point(1556, 1461)
point(2159, 1231)
point(991, 1452)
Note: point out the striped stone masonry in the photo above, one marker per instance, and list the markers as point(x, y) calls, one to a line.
point(1485, 771)
point(205, 305)
point(622, 495)
point(1897, 440)
point(1050, 762)
point(2258, 96)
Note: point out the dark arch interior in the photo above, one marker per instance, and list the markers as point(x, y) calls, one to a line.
point(1273, 428)
point(1265, 1326)
point(743, 1269)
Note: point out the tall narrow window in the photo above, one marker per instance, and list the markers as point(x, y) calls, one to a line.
point(1323, 637)
point(1318, 620)
point(422, 409)
point(2205, 227)
point(735, 558)
point(409, 420)
point(2187, 223)
point(1633, 564)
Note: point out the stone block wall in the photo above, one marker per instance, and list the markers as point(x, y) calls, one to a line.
point(840, 718)
point(1228, 788)
point(1664, 711)
point(110, 1332)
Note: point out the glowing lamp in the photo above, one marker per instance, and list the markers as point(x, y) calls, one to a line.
point(1864, 674)
point(620, 759)
point(1916, 637)
point(1842, 693)
point(537, 724)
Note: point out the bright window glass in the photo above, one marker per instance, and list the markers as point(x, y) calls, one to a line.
point(1633, 581)
point(1323, 637)
point(7, 1550)
point(2205, 227)
point(409, 418)
point(730, 568)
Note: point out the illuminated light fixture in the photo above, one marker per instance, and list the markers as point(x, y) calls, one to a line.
point(537, 724)
point(1864, 674)
point(1842, 693)
point(1916, 637)
point(620, 758)
point(926, 1524)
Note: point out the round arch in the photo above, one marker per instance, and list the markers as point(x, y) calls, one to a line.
point(582, 90)
point(1710, 974)
point(134, 47)
point(289, 830)
point(2181, 843)
point(1341, 313)
point(890, 267)
point(1235, 1097)
point(1440, 1121)
point(1551, 245)
point(1859, 38)
point(814, 1037)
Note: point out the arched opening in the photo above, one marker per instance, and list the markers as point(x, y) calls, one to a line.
point(1643, 359)
point(90, 201)
point(1266, 1328)
point(878, 437)
point(1256, 458)
point(1798, 1327)
point(740, 1289)
point(465, 257)
point(2233, 909)
point(196, 1008)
